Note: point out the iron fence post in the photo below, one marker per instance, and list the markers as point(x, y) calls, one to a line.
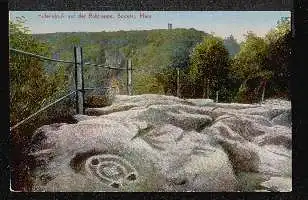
point(79, 80)
point(76, 80)
point(178, 82)
point(82, 81)
point(129, 77)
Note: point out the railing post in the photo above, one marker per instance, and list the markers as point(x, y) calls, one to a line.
point(129, 77)
point(263, 94)
point(216, 96)
point(82, 80)
point(76, 80)
point(79, 80)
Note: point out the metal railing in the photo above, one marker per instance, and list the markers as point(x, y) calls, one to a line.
point(79, 80)
point(39, 57)
point(64, 61)
point(40, 110)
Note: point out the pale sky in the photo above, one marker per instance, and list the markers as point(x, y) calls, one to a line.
point(222, 23)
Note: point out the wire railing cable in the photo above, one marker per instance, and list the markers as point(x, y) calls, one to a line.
point(40, 110)
point(104, 66)
point(40, 57)
point(63, 61)
point(60, 99)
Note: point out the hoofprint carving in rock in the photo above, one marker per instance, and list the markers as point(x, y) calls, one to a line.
point(162, 143)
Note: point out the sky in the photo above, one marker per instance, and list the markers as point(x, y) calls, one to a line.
point(221, 23)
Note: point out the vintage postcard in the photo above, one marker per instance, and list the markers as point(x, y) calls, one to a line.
point(150, 101)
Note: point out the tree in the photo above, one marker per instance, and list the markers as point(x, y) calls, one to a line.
point(209, 64)
point(278, 59)
point(28, 86)
point(180, 53)
point(249, 66)
point(179, 59)
point(282, 28)
point(31, 84)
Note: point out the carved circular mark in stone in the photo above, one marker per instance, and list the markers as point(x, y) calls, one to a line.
point(111, 169)
point(131, 177)
point(94, 162)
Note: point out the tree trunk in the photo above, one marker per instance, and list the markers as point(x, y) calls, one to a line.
point(204, 87)
point(241, 92)
point(207, 88)
point(194, 91)
point(260, 87)
point(263, 92)
point(178, 82)
point(243, 84)
point(216, 97)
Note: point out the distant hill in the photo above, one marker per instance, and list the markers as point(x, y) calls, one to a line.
point(151, 50)
point(125, 41)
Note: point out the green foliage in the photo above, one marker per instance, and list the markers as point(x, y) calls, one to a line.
point(282, 28)
point(146, 83)
point(249, 67)
point(25, 73)
point(263, 63)
point(153, 52)
point(278, 61)
point(205, 61)
point(180, 54)
point(210, 64)
point(250, 61)
point(166, 50)
point(31, 86)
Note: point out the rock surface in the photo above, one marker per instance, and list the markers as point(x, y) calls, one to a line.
point(99, 97)
point(279, 184)
point(163, 143)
